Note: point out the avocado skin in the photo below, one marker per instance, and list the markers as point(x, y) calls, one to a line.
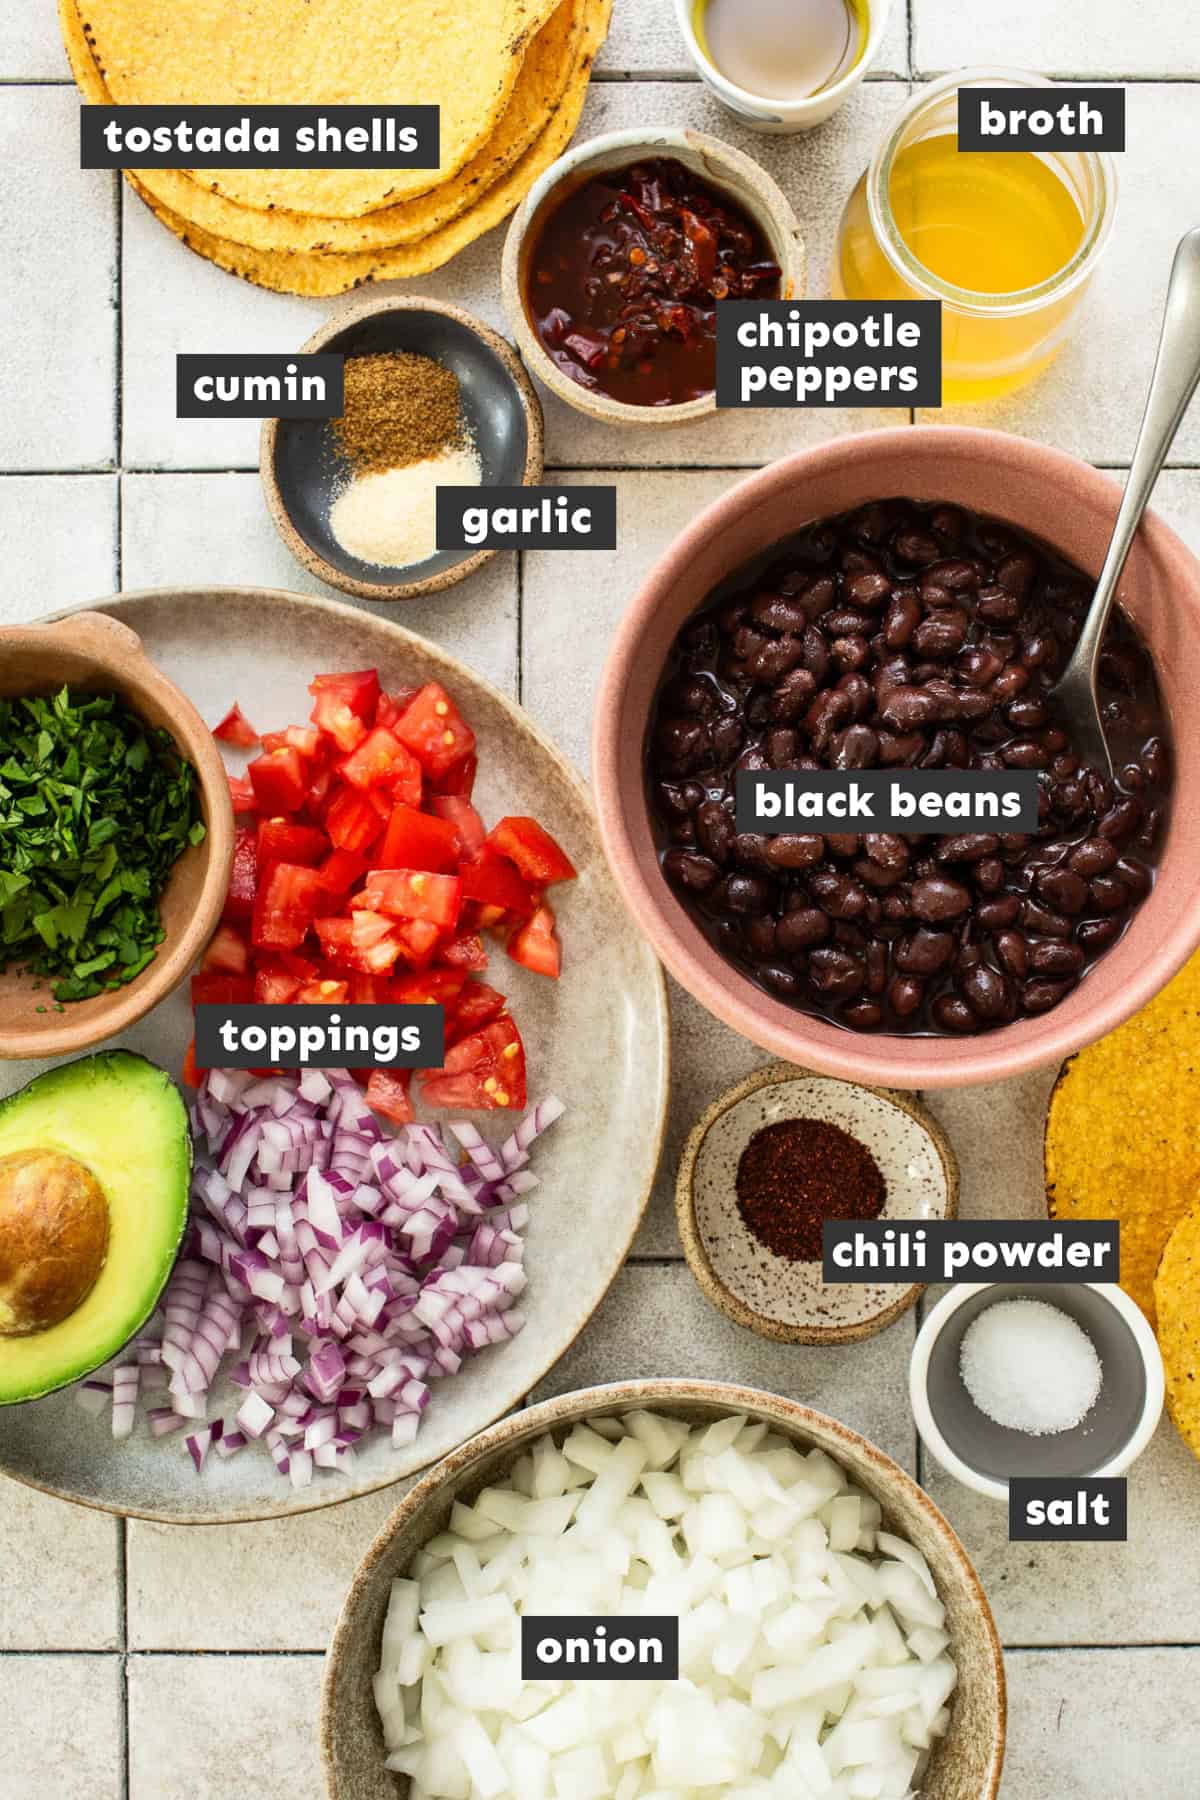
point(122, 1117)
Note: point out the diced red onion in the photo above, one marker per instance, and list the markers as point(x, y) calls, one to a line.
point(388, 1257)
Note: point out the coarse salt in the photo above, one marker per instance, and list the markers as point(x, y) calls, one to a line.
point(1030, 1367)
point(390, 519)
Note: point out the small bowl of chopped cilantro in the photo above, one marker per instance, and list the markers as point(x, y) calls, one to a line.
point(117, 834)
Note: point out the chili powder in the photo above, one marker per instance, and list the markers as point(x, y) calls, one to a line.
point(797, 1173)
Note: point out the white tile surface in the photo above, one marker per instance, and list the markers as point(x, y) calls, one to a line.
point(211, 1588)
point(655, 1321)
point(60, 1574)
point(1146, 1591)
point(175, 301)
point(1087, 1722)
point(186, 530)
point(1123, 1724)
point(60, 1728)
point(573, 598)
point(1108, 37)
point(1090, 399)
point(30, 46)
point(71, 556)
point(223, 1727)
point(59, 233)
point(1177, 498)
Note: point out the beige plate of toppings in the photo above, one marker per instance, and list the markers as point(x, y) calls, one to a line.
point(598, 1038)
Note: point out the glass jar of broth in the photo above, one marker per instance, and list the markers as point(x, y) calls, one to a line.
point(1007, 240)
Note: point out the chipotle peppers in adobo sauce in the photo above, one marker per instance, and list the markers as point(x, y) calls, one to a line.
point(624, 275)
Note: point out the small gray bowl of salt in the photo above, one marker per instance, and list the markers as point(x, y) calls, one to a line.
point(1038, 1379)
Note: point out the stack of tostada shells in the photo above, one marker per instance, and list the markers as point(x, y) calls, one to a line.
point(509, 78)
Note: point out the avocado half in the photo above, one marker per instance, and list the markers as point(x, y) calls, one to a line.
point(95, 1163)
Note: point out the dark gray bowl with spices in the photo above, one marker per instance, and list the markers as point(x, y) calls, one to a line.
point(400, 411)
point(769, 1162)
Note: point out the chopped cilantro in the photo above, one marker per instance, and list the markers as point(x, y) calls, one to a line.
point(95, 809)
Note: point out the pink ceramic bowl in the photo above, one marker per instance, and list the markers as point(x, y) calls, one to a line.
point(1044, 492)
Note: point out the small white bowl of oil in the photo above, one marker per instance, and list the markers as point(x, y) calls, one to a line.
point(782, 65)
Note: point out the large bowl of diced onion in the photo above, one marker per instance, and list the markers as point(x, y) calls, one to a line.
point(834, 1638)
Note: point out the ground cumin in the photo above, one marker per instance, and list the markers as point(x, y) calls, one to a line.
point(400, 408)
point(797, 1173)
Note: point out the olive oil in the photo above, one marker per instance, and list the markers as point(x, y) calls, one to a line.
point(782, 49)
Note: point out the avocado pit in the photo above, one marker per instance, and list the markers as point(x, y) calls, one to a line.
point(54, 1226)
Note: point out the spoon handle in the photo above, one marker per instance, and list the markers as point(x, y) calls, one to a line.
point(1176, 373)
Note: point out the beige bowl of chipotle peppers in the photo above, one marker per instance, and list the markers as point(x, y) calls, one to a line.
point(614, 264)
point(769, 1163)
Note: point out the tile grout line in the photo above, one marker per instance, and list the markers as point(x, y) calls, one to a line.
point(589, 468)
point(689, 77)
point(312, 1653)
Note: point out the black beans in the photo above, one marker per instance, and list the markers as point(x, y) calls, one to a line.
point(801, 929)
point(906, 636)
point(924, 953)
point(937, 898)
point(687, 870)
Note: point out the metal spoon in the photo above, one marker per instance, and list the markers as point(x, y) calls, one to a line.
point(1176, 373)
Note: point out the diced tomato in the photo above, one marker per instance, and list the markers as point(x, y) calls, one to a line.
point(483, 1071)
point(483, 918)
point(325, 992)
point(465, 951)
point(458, 782)
point(211, 988)
point(235, 728)
point(278, 780)
point(285, 907)
point(342, 870)
point(227, 952)
point(367, 990)
point(493, 881)
point(274, 985)
point(239, 900)
point(190, 1073)
point(534, 852)
point(345, 706)
point(416, 840)
point(336, 937)
point(241, 793)
point(337, 941)
point(319, 790)
point(352, 821)
point(304, 738)
point(477, 1005)
point(535, 944)
point(281, 840)
point(418, 941)
point(392, 705)
point(459, 812)
point(413, 894)
point(430, 987)
point(435, 731)
point(304, 968)
point(387, 1094)
point(367, 928)
point(381, 760)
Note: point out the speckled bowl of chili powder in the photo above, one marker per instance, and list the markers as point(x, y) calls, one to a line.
point(774, 1158)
